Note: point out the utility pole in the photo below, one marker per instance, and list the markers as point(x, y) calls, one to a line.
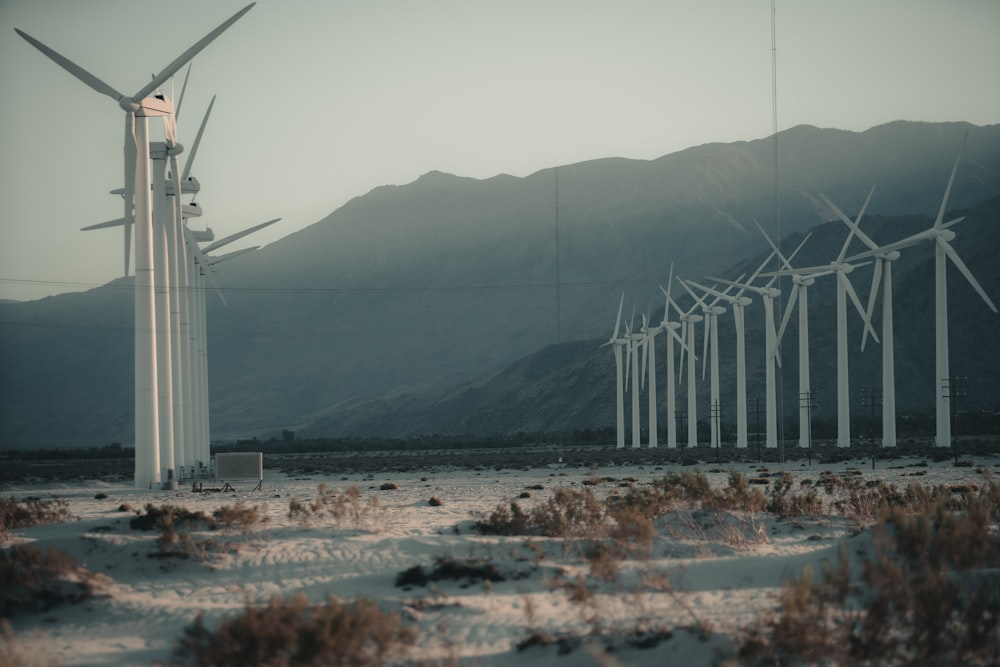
point(872, 397)
point(954, 388)
point(717, 419)
point(807, 400)
point(756, 410)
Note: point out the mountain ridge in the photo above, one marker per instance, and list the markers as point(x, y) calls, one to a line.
point(408, 292)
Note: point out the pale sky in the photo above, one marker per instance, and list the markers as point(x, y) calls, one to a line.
point(320, 101)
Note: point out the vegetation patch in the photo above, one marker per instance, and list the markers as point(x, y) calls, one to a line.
point(469, 570)
point(927, 593)
point(15, 515)
point(295, 632)
point(35, 580)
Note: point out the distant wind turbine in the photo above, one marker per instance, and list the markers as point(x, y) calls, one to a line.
point(941, 237)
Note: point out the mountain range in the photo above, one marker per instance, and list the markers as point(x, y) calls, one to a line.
point(459, 305)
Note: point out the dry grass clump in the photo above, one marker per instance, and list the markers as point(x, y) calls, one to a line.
point(928, 593)
point(179, 526)
point(31, 512)
point(27, 651)
point(164, 516)
point(33, 580)
point(240, 515)
point(784, 502)
point(567, 513)
point(295, 632)
point(471, 570)
point(338, 507)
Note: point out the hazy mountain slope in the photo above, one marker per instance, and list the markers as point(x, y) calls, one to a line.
point(407, 292)
point(572, 386)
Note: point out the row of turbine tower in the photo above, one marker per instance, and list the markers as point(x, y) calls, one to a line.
point(639, 345)
point(171, 271)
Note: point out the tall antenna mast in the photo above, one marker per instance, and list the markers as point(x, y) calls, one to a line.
point(777, 208)
point(558, 285)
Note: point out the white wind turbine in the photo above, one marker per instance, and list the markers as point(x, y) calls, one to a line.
point(711, 314)
point(840, 268)
point(883, 272)
point(941, 237)
point(138, 108)
point(634, 341)
point(802, 280)
point(688, 320)
point(617, 345)
point(738, 302)
point(671, 328)
point(649, 367)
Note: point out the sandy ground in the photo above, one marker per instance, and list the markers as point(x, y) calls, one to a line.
point(719, 573)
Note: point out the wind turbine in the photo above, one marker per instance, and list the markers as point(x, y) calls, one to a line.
point(711, 314)
point(649, 366)
point(883, 271)
point(941, 237)
point(738, 302)
point(840, 268)
point(671, 329)
point(634, 341)
point(688, 320)
point(802, 280)
point(617, 345)
point(138, 108)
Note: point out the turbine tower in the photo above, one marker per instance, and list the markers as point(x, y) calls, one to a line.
point(617, 345)
point(138, 108)
point(941, 236)
point(711, 314)
point(840, 268)
point(883, 272)
point(671, 328)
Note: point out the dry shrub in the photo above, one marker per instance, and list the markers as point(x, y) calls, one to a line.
point(434, 501)
point(295, 632)
point(31, 512)
point(31, 650)
point(784, 502)
point(471, 570)
point(33, 580)
point(605, 560)
point(240, 515)
point(338, 507)
point(166, 516)
point(929, 593)
point(567, 513)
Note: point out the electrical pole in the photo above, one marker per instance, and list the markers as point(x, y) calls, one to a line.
point(807, 401)
point(872, 397)
point(954, 388)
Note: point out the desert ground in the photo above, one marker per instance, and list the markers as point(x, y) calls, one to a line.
point(429, 538)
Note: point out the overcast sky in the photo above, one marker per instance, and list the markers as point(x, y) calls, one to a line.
point(321, 101)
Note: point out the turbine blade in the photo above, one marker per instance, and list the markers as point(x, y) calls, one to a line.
point(238, 235)
point(872, 295)
point(215, 286)
point(857, 223)
point(966, 272)
point(197, 141)
point(850, 224)
point(177, 107)
point(71, 67)
point(183, 59)
point(849, 288)
point(129, 194)
point(117, 222)
point(644, 362)
point(788, 309)
point(951, 180)
point(704, 347)
point(618, 319)
point(628, 362)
